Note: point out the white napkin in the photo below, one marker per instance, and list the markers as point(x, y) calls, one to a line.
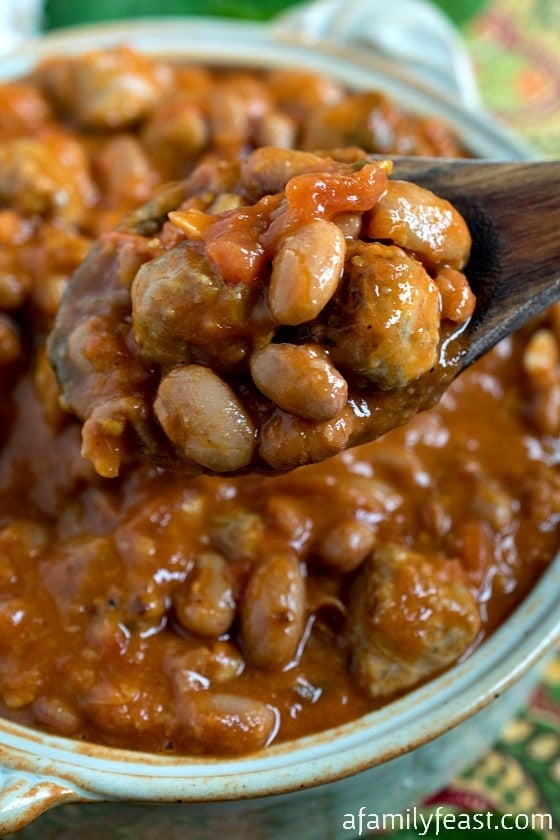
point(19, 19)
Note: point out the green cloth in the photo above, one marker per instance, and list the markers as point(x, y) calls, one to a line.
point(67, 12)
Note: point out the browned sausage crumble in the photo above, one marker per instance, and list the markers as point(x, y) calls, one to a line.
point(213, 615)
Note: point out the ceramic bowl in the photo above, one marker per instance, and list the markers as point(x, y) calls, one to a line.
point(390, 759)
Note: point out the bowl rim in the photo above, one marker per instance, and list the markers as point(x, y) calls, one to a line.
point(422, 714)
point(257, 44)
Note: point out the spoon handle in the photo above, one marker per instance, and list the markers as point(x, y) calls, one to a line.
point(513, 211)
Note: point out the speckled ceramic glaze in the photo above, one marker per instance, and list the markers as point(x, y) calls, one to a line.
point(393, 757)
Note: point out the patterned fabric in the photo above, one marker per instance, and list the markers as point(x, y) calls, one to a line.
point(515, 45)
point(521, 774)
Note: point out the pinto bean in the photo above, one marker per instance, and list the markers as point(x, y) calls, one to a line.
point(276, 129)
point(126, 174)
point(57, 713)
point(273, 612)
point(202, 416)
point(240, 534)
point(287, 441)
point(306, 271)
point(267, 170)
point(289, 517)
point(226, 723)
point(541, 362)
point(300, 91)
point(346, 545)
point(198, 668)
point(234, 108)
point(457, 298)
point(229, 121)
point(205, 603)
point(11, 348)
point(300, 379)
point(177, 129)
point(494, 504)
point(413, 218)
point(350, 224)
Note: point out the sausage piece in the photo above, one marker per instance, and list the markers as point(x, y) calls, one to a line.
point(385, 320)
point(410, 616)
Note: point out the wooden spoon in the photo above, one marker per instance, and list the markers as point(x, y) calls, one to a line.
point(513, 212)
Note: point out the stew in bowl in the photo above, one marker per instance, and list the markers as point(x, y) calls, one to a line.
point(215, 614)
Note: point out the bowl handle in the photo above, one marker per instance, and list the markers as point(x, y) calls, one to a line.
point(411, 33)
point(24, 796)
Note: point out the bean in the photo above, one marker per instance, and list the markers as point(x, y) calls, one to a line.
point(202, 416)
point(457, 298)
point(224, 662)
point(24, 109)
point(541, 362)
point(107, 635)
point(118, 702)
point(350, 224)
point(176, 127)
point(10, 343)
point(287, 441)
point(149, 603)
point(205, 604)
point(276, 129)
point(193, 669)
point(126, 174)
point(288, 516)
point(273, 612)
point(300, 379)
point(372, 496)
point(229, 122)
point(365, 119)
point(301, 91)
point(306, 271)
point(227, 722)
point(56, 713)
point(541, 359)
point(346, 545)
point(494, 504)
point(238, 534)
point(421, 222)
point(268, 169)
